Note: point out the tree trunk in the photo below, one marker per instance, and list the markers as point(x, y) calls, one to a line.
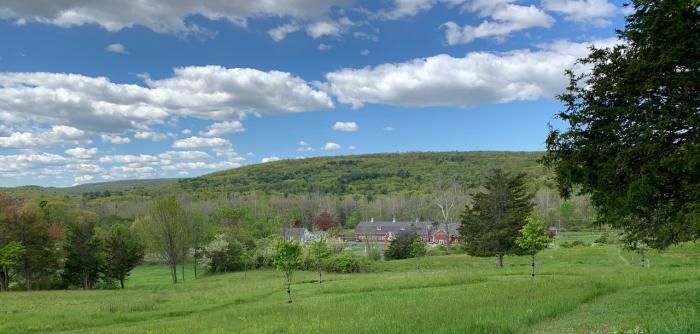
point(4, 280)
point(289, 292)
point(195, 263)
point(173, 271)
point(183, 271)
point(320, 280)
point(447, 235)
point(27, 277)
point(500, 261)
point(533, 266)
point(121, 282)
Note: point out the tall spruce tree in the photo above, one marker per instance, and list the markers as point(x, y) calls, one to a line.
point(492, 223)
point(84, 258)
point(633, 136)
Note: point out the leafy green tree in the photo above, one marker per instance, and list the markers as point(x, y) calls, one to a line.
point(265, 250)
point(401, 247)
point(224, 254)
point(165, 231)
point(123, 252)
point(200, 230)
point(40, 259)
point(319, 252)
point(567, 210)
point(239, 222)
point(288, 258)
point(493, 221)
point(84, 257)
point(10, 255)
point(632, 140)
point(418, 248)
point(533, 238)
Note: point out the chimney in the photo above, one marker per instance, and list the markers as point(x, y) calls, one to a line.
point(394, 220)
point(371, 220)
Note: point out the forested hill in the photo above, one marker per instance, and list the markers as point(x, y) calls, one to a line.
point(366, 174)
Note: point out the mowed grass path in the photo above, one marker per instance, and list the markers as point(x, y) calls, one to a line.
point(582, 290)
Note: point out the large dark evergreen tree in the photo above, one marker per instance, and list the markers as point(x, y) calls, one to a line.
point(84, 258)
point(633, 137)
point(122, 253)
point(493, 221)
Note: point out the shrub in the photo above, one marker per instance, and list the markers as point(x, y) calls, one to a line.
point(402, 246)
point(575, 243)
point(418, 248)
point(437, 251)
point(374, 254)
point(265, 251)
point(459, 249)
point(346, 263)
point(223, 254)
point(603, 239)
point(608, 238)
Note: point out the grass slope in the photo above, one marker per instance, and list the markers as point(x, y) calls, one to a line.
point(581, 290)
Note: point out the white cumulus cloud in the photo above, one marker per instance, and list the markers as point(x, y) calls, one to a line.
point(197, 142)
point(57, 135)
point(279, 33)
point(159, 16)
point(587, 11)
point(116, 48)
point(477, 78)
point(331, 147)
point(506, 19)
point(345, 126)
point(82, 153)
point(223, 128)
point(206, 92)
point(114, 139)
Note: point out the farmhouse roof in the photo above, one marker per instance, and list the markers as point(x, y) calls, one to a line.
point(370, 227)
point(292, 231)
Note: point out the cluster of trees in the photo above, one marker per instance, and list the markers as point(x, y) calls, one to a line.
point(270, 212)
point(53, 245)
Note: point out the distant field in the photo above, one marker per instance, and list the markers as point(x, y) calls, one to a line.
point(579, 290)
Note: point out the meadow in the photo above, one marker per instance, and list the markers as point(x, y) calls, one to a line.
point(597, 289)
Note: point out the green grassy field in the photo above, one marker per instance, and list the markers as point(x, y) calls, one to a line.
point(598, 289)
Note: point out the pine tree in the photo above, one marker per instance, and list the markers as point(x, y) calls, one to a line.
point(632, 135)
point(493, 221)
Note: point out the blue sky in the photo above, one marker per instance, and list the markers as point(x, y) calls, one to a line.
point(99, 91)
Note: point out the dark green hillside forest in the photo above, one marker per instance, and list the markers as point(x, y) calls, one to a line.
point(366, 174)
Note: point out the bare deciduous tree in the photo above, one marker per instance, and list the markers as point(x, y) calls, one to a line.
point(448, 195)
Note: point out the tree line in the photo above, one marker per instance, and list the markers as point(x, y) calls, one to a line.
point(53, 245)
